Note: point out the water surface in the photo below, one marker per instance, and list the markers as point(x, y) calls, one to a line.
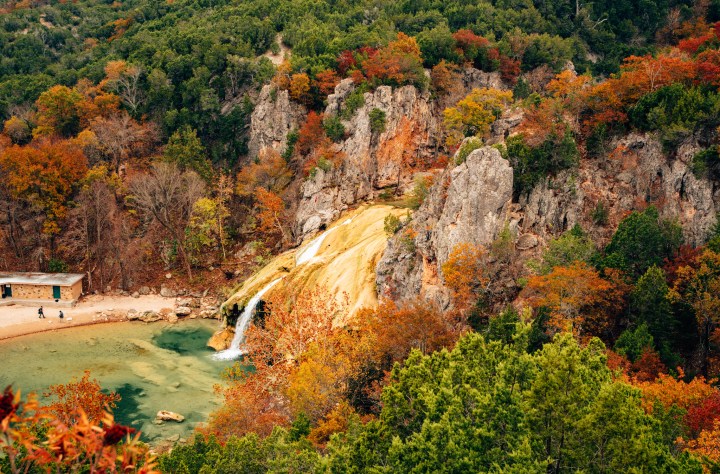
point(153, 367)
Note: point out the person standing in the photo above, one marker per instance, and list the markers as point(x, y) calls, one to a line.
point(41, 313)
point(61, 315)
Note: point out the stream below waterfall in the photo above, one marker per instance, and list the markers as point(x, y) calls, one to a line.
point(153, 367)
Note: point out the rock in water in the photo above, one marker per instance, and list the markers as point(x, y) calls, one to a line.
point(165, 415)
point(221, 339)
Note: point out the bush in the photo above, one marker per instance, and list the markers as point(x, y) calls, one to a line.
point(334, 128)
point(353, 102)
point(600, 214)
point(531, 165)
point(391, 224)
point(420, 191)
point(377, 120)
point(468, 147)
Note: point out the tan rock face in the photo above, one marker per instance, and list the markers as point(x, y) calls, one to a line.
point(221, 339)
point(273, 117)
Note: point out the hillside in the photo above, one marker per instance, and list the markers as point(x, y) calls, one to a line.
point(450, 236)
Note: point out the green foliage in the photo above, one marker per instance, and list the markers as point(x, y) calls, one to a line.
point(574, 245)
point(649, 305)
point(334, 128)
point(531, 165)
point(377, 120)
point(676, 111)
point(185, 150)
point(632, 342)
point(490, 406)
point(642, 240)
point(468, 146)
point(391, 224)
point(353, 102)
point(437, 44)
point(292, 139)
point(600, 214)
point(56, 265)
point(420, 191)
point(279, 452)
point(706, 163)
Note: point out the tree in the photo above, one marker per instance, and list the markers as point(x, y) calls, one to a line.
point(574, 245)
point(699, 286)
point(300, 88)
point(473, 115)
point(185, 150)
point(575, 296)
point(649, 304)
point(84, 395)
point(167, 195)
point(45, 175)
point(271, 213)
point(18, 130)
point(642, 240)
point(124, 79)
point(269, 171)
point(58, 112)
point(120, 138)
point(464, 274)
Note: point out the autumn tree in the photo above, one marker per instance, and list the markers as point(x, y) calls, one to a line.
point(84, 394)
point(269, 171)
point(58, 112)
point(464, 274)
point(124, 79)
point(473, 115)
point(271, 213)
point(17, 129)
point(45, 174)
point(120, 138)
point(399, 63)
point(699, 286)
point(167, 195)
point(300, 88)
point(574, 295)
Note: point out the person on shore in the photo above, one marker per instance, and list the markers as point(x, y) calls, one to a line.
point(41, 313)
point(61, 315)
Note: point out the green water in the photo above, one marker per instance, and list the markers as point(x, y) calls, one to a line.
point(152, 366)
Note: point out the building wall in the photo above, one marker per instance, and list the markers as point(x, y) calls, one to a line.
point(45, 292)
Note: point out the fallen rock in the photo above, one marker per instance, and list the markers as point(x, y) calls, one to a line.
point(526, 242)
point(136, 294)
point(183, 311)
point(133, 315)
point(165, 415)
point(149, 316)
point(221, 339)
point(171, 318)
point(144, 290)
point(167, 292)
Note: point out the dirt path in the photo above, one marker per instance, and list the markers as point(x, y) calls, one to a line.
point(19, 320)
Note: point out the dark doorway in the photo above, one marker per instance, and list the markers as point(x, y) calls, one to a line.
point(56, 292)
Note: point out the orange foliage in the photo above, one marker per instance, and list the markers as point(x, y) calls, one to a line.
point(67, 447)
point(576, 296)
point(444, 77)
point(270, 172)
point(707, 445)
point(310, 133)
point(325, 81)
point(300, 88)
point(85, 394)
point(398, 63)
point(669, 391)
point(337, 421)
point(44, 174)
point(464, 273)
point(270, 212)
point(282, 75)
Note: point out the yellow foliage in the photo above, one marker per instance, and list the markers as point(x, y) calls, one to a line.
point(464, 274)
point(473, 115)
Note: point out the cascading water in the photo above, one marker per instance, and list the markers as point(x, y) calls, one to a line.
point(242, 324)
point(314, 246)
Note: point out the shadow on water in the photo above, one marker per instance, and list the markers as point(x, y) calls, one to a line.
point(183, 340)
point(127, 411)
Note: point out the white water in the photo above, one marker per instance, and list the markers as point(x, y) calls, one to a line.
point(242, 324)
point(312, 249)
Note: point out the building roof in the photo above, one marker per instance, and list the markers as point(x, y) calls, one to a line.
point(28, 278)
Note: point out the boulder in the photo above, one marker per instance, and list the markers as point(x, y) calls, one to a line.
point(183, 311)
point(171, 318)
point(136, 294)
point(144, 290)
point(133, 315)
point(221, 339)
point(165, 415)
point(167, 292)
point(149, 316)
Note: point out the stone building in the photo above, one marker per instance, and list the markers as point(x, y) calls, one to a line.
point(40, 288)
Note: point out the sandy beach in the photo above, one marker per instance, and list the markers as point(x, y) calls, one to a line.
point(17, 320)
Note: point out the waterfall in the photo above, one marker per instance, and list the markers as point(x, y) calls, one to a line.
point(242, 324)
point(312, 249)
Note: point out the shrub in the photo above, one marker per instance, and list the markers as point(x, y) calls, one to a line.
point(599, 215)
point(334, 128)
point(353, 102)
point(420, 191)
point(391, 224)
point(468, 147)
point(377, 120)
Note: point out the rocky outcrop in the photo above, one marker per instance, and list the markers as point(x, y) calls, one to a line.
point(371, 161)
point(273, 117)
point(636, 173)
point(469, 203)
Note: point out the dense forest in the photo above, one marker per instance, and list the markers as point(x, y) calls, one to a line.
point(125, 155)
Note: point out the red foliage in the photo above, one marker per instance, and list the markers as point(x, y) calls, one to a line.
point(686, 256)
point(509, 69)
point(7, 407)
point(346, 61)
point(648, 366)
point(702, 417)
point(325, 81)
point(115, 433)
point(310, 133)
